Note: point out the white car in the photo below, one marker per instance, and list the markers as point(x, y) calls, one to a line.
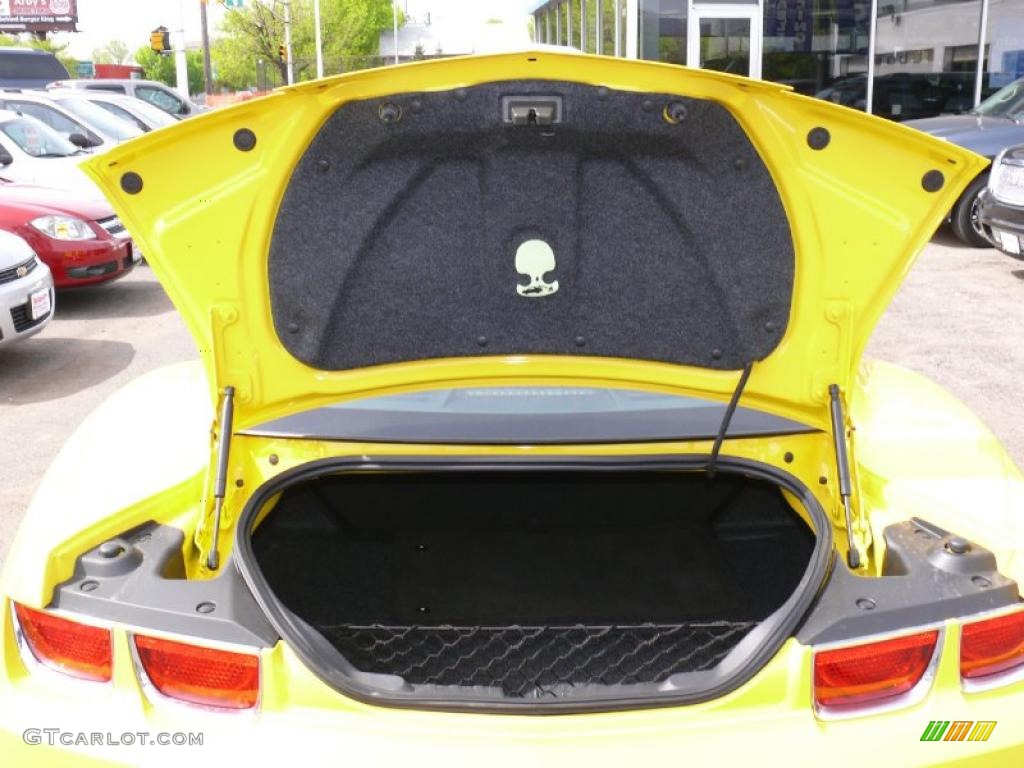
point(157, 94)
point(32, 153)
point(26, 290)
point(79, 121)
point(137, 112)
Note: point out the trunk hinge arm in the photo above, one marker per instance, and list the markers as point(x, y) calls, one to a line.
point(843, 470)
point(227, 415)
point(712, 467)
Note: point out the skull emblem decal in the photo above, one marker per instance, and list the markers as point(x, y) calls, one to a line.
point(535, 259)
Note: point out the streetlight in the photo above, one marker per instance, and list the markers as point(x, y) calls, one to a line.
point(394, 18)
point(319, 43)
point(289, 66)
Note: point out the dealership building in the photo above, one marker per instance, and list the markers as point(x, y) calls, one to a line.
point(897, 58)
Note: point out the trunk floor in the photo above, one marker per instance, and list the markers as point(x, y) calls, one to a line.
point(662, 574)
point(537, 661)
point(535, 584)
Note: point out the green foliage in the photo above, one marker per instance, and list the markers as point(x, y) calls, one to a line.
point(162, 68)
point(112, 52)
point(350, 29)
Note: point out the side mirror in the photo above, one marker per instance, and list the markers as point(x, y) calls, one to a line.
point(5, 157)
point(79, 140)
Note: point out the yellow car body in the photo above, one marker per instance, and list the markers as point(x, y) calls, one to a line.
point(859, 210)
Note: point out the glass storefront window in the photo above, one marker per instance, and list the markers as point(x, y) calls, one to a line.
point(1004, 45)
point(926, 51)
point(725, 45)
point(814, 45)
point(926, 57)
point(662, 30)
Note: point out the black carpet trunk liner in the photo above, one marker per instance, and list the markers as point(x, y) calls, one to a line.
point(532, 583)
point(563, 576)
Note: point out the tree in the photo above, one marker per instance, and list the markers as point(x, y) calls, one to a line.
point(351, 33)
point(162, 68)
point(112, 52)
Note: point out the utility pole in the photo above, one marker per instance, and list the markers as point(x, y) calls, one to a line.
point(288, 41)
point(180, 64)
point(319, 41)
point(394, 18)
point(207, 68)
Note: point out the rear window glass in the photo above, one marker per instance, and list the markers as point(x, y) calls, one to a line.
point(162, 99)
point(106, 87)
point(525, 414)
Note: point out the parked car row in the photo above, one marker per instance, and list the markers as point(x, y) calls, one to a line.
point(57, 231)
point(996, 124)
point(1001, 204)
point(907, 95)
point(26, 290)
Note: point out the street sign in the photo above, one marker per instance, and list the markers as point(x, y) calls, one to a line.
point(85, 69)
point(38, 15)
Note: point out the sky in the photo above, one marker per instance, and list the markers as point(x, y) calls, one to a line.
point(132, 20)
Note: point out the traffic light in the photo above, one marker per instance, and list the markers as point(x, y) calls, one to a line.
point(160, 40)
point(282, 53)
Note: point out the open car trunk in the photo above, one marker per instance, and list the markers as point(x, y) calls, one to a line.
point(535, 584)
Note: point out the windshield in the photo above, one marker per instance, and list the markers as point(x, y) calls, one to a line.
point(123, 114)
point(99, 118)
point(1006, 102)
point(524, 414)
point(155, 116)
point(36, 139)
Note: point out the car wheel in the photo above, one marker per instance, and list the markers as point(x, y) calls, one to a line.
point(966, 224)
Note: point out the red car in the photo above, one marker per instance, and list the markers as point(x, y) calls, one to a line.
point(79, 238)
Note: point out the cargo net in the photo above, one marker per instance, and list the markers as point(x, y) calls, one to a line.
point(537, 661)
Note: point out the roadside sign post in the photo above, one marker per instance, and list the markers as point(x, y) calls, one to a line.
point(290, 66)
point(207, 68)
point(180, 63)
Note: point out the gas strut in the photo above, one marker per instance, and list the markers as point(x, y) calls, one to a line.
point(227, 415)
point(843, 469)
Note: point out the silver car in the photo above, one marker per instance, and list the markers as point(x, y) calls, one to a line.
point(26, 290)
point(157, 94)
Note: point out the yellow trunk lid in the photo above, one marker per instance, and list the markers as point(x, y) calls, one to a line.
point(279, 227)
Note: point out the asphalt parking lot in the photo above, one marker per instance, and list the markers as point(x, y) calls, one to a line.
point(959, 319)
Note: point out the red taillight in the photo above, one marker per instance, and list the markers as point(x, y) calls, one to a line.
point(864, 674)
point(200, 675)
point(75, 649)
point(991, 646)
